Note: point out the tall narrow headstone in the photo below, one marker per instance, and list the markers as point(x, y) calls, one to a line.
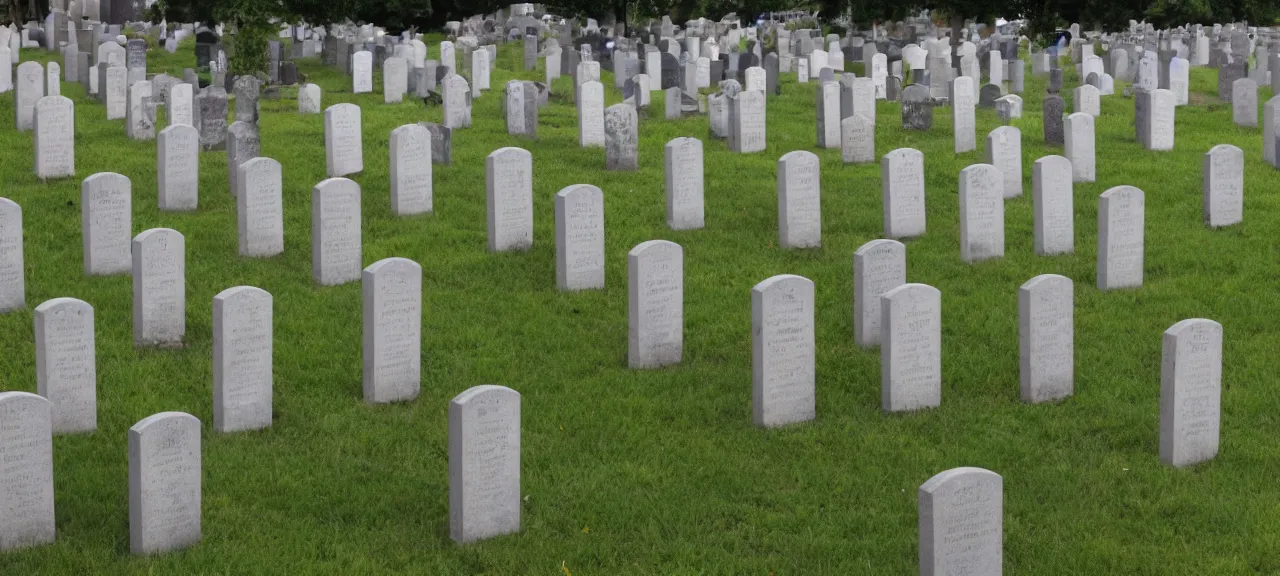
point(1223, 185)
point(682, 158)
point(411, 178)
point(28, 89)
point(343, 147)
point(1004, 151)
point(655, 304)
point(1190, 392)
point(1244, 103)
point(580, 256)
point(799, 200)
point(26, 477)
point(1080, 147)
point(962, 114)
point(1052, 206)
point(1052, 109)
point(783, 357)
point(456, 94)
point(981, 213)
point(159, 288)
point(260, 208)
point(878, 267)
point(902, 193)
point(509, 199)
point(961, 523)
point(178, 167)
point(12, 274)
point(66, 365)
point(828, 107)
point(164, 483)
point(242, 353)
point(391, 289)
point(243, 144)
point(395, 80)
point(911, 348)
point(336, 256)
point(1159, 121)
point(591, 114)
point(362, 72)
point(106, 223)
point(484, 463)
point(1046, 338)
point(1120, 238)
point(55, 137)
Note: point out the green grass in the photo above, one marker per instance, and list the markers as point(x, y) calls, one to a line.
point(662, 472)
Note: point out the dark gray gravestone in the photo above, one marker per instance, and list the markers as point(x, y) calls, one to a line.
point(1093, 80)
point(1227, 75)
point(1141, 103)
point(136, 54)
point(1165, 56)
point(441, 143)
point(917, 108)
point(289, 73)
point(1055, 80)
point(771, 86)
point(717, 70)
point(212, 116)
point(206, 46)
point(1053, 107)
point(827, 75)
point(892, 88)
point(670, 71)
point(987, 96)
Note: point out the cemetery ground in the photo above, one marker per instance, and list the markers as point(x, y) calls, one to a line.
point(661, 471)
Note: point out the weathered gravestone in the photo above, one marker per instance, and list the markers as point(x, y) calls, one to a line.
point(242, 353)
point(911, 348)
point(963, 119)
point(247, 90)
point(164, 483)
point(1120, 238)
point(981, 213)
point(961, 523)
point(140, 114)
point(410, 167)
point(878, 267)
point(683, 163)
point(521, 108)
point(55, 137)
point(1227, 76)
point(1004, 151)
point(1046, 338)
point(12, 285)
point(391, 289)
point(26, 478)
point(747, 122)
point(1051, 113)
point(484, 463)
point(622, 138)
point(917, 108)
point(1223, 185)
point(106, 222)
point(828, 108)
point(1080, 147)
point(335, 232)
point(395, 80)
point(1087, 100)
point(580, 255)
point(66, 366)
point(1190, 392)
point(178, 168)
point(1244, 103)
point(987, 95)
point(783, 359)
point(1052, 206)
point(441, 142)
point(179, 106)
point(799, 200)
point(260, 208)
point(159, 288)
point(243, 144)
point(655, 304)
point(211, 118)
point(457, 102)
point(343, 149)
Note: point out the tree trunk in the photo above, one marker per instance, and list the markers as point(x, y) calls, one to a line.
point(957, 31)
point(620, 16)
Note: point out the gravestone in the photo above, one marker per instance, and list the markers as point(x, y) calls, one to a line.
point(53, 79)
point(395, 80)
point(961, 523)
point(260, 208)
point(1004, 151)
point(1120, 238)
point(484, 463)
point(622, 138)
point(247, 89)
point(917, 108)
point(159, 288)
point(590, 104)
point(981, 213)
point(212, 118)
point(164, 483)
point(243, 144)
point(683, 164)
point(12, 275)
point(521, 108)
point(911, 348)
point(987, 96)
point(410, 167)
point(362, 72)
point(1080, 147)
point(55, 137)
point(140, 115)
point(309, 99)
point(179, 106)
point(1227, 76)
point(335, 232)
point(441, 143)
point(1180, 80)
point(655, 304)
point(747, 127)
point(391, 290)
point(1052, 206)
point(509, 199)
point(828, 109)
point(66, 366)
point(1046, 341)
point(963, 120)
point(671, 103)
point(902, 193)
point(878, 267)
point(861, 98)
point(1051, 113)
point(799, 200)
point(783, 357)
point(1159, 121)
point(242, 352)
point(343, 149)
point(1223, 185)
point(178, 168)
point(1244, 103)
point(106, 222)
point(28, 89)
point(857, 140)
point(1190, 392)
point(1087, 100)
point(580, 256)
point(26, 479)
point(456, 95)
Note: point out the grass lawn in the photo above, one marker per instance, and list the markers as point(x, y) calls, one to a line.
point(662, 472)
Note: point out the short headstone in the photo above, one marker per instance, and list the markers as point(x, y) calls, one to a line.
point(1052, 206)
point(343, 148)
point(1051, 113)
point(260, 208)
point(309, 99)
point(684, 182)
point(911, 347)
point(1223, 185)
point(917, 108)
point(655, 304)
point(783, 356)
point(441, 143)
point(66, 366)
point(857, 140)
point(484, 463)
point(26, 479)
point(1046, 338)
point(902, 193)
point(1080, 147)
point(391, 289)
point(961, 523)
point(55, 137)
point(243, 144)
point(12, 274)
point(456, 94)
point(1190, 392)
point(981, 213)
point(1244, 103)
point(164, 483)
point(178, 168)
point(591, 114)
point(509, 199)
point(159, 288)
point(1120, 238)
point(878, 267)
point(622, 138)
point(799, 200)
point(242, 352)
point(580, 256)
point(988, 94)
point(410, 167)
point(336, 256)
point(963, 121)
point(179, 106)
point(1087, 100)
point(106, 222)
point(1004, 151)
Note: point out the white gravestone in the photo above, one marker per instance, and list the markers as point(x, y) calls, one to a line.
point(411, 180)
point(580, 256)
point(362, 72)
point(1223, 185)
point(139, 120)
point(981, 213)
point(260, 208)
point(1087, 100)
point(392, 333)
point(878, 267)
point(591, 114)
point(902, 190)
point(113, 84)
point(962, 115)
point(242, 352)
point(309, 99)
point(28, 89)
point(106, 221)
point(682, 159)
point(456, 102)
point(66, 365)
point(1270, 125)
point(179, 105)
point(1190, 392)
point(484, 463)
point(335, 232)
point(178, 167)
point(12, 285)
point(509, 199)
point(857, 140)
point(395, 80)
point(1159, 122)
point(799, 200)
point(26, 476)
point(911, 348)
point(54, 122)
point(828, 108)
point(1046, 338)
point(1080, 148)
point(343, 147)
point(159, 288)
point(1244, 103)
point(1052, 206)
point(1120, 238)
point(1004, 151)
point(655, 304)
point(782, 351)
point(244, 143)
point(747, 122)
point(164, 483)
point(961, 523)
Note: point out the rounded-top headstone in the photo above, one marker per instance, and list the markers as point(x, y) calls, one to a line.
point(961, 523)
point(26, 471)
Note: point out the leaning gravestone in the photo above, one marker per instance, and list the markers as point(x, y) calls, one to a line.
point(580, 255)
point(242, 373)
point(106, 223)
point(961, 523)
point(917, 108)
point(1051, 199)
point(782, 351)
point(66, 366)
point(178, 168)
point(509, 199)
point(799, 200)
point(902, 193)
point(1046, 341)
point(55, 137)
point(344, 153)
point(878, 267)
point(1079, 147)
point(392, 330)
point(655, 304)
point(1004, 151)
point(164, 483)
point(243, 144)
point(12, 285)
point(1120, 238)
point(1223, 185)
point(335, 232)
point(26, 477)
point(1190, 392)
point(484, 463)
point(981, 213)
point(411, 179)
point(911, 348)
point(684, 180)
point(159, 288)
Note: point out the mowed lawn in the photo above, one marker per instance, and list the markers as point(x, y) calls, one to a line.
point(662, 471)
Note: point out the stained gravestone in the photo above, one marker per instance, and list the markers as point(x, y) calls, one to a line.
point(1270, 127)
point(521, 108)
point(963, 120)
point(682, 160)
point(1004, 151)
point(671, 103)
point(1227, 76)
point(747, 127)
point(12, 276)
point(580, 256)
point(26, 478)
point(66, 366)
point(1052, 206)
point(140, 115)
point(410, 167)
point(1141, 115)
point(622, 138)
point(178, 168)
point(391, 289)
point(917, 108)
point(159, 288)
point(309, 99)
point(1223, 185)
point(987, 95)
point(902, 193)
point(783, 359)
point(655, 304)
point(178, 105)
point(981, 213)
point(591, 114)
point(1190, 392)
point(28, 89)
point(441, 143)
point(1051, 113)
point(1120, 238)
point(335, 232)
point(1046, 338)
point(1080, 147)
point(343, 148)
point(961, 523)
point(911, 348)
point(211, 116)
point(1055, 81)
point(456, 95)
point(106, 222)
point(242, 353)
point(878, 267)
point(243, 144)
point(55, 146)
point(260, 208)
point(1244, 103)
point(484, 463)
point(247, 90)
point(799, 200)
point(857, 140)
point(828, 109)
point(164, 483)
